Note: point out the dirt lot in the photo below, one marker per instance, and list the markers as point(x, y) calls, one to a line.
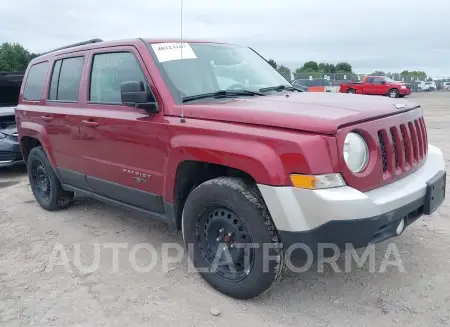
point(30, 294)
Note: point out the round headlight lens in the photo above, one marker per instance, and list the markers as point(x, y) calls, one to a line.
point(356, 152)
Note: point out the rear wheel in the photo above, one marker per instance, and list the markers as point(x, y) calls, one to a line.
point(231, 238)
point(393, 93)
point(351, 91)
point(44, 183)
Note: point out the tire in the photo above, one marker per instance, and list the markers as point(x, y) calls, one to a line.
point(393, 93)
point(351, 91)
point(241, 202)
point(44, 183)
point(401, 96)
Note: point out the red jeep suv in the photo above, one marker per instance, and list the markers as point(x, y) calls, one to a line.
point(211, 139)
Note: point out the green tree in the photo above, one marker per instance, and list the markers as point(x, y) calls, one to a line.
point(14, 57)
point(286, 72)
point(415, 74)
point(342, 67)
point(378, 73)
point(327, 68)
point(272, 63)
point(309, 66)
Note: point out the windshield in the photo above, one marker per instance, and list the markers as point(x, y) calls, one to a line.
point(210, 67)
point(389, 80)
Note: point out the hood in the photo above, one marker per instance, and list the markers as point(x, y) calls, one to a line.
point(9, 130)
point(7, 120)
point(307, 111)
point(7, 111)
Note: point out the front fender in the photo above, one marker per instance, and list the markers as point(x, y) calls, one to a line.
point(257, 159)
point(37, 131)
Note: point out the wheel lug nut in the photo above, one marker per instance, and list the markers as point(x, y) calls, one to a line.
point(231, 245)
point(230, 234)
point(221, 230)
point(218, 239)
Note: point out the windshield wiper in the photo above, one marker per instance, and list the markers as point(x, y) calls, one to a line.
point(221, 94)
point(279, 88)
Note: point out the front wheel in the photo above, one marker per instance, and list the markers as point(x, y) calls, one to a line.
point(351, 91)
point(393, 93)
point(231, 238)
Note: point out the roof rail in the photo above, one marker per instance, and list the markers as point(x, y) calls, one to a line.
point(75, 45)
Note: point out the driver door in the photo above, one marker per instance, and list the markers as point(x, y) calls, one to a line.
point(380, 86)
point(123, 151)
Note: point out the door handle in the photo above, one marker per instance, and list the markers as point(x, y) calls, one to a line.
point(89, 123)
point(47, 118)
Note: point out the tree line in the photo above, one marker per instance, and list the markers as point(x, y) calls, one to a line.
point(14, 57)
point(314, 68)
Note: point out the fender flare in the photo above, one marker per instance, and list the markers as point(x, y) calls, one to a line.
point(37, 131)
point(255, 158)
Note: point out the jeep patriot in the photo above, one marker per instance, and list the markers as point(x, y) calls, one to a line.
point(211, 139)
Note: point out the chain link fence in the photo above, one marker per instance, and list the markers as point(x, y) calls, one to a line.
point(418, 84)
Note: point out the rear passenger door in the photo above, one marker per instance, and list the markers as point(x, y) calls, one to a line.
point(63, 104)
point(124, 148)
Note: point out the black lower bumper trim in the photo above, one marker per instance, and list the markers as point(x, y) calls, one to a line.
point(357, 233)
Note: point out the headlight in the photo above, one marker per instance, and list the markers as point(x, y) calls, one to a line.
point(403, 86)
point(356, 152)
point(2, 136)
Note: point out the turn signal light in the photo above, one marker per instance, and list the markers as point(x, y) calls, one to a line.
point(314, 182)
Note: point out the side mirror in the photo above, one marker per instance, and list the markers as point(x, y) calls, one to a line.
point(133, 94)
point(383, 82)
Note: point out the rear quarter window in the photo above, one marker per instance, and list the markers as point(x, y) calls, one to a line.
point(35, 83)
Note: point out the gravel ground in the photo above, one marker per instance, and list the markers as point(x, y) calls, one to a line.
point(33, 294)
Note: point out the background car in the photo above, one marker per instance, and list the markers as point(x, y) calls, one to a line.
point(311, 82)
point(428, 86)
point(446, 86)
point(10, 153)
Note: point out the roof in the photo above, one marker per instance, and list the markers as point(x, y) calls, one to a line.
point(96, 43)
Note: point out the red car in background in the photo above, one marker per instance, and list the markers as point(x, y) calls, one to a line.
point(377, 85)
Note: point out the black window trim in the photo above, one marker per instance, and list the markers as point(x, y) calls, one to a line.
point(28, 75)
point(55, 60)
point(108, 51)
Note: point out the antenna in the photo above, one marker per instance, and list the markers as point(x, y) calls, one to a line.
point(182, 120)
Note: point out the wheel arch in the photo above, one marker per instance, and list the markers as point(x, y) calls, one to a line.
point(31, 135)
point(192, 173)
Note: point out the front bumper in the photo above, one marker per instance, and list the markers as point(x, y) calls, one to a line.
point(405, 91)
point(10, 153)
point(345, 215)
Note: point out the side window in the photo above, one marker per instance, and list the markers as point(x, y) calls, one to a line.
point(35, 83)
point(109, 70)
point(369, 80)
point(66, 77)
point(377, 80)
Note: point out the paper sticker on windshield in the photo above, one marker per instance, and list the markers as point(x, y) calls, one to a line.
point(172, 51)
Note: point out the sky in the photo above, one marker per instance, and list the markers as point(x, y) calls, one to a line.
point(387, 35)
